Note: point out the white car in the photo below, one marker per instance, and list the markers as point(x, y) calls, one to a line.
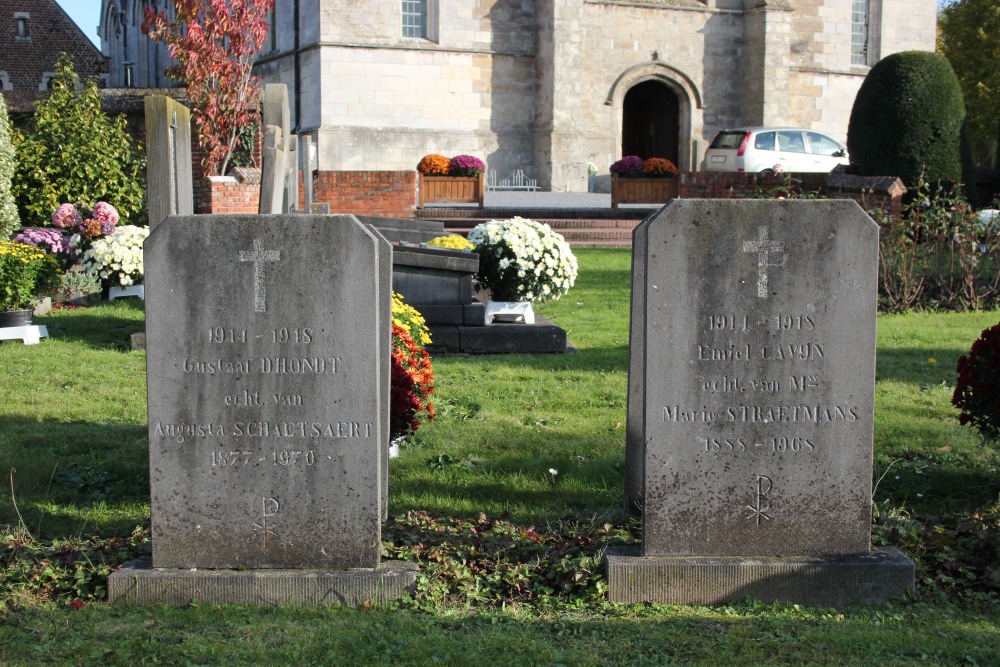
point(759, 149)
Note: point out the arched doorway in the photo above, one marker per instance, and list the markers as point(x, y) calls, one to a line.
point(651, 121)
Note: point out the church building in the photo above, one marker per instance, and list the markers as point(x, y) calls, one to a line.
point(552, 86)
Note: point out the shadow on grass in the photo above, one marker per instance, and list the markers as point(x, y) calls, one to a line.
point(640, 635)
point(67, 475)
point(589, 477)
point(939, 482)
point(915, 365)
point(108, 325)
point(603, 360)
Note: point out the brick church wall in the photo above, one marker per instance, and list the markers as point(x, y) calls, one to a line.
point(49, 32)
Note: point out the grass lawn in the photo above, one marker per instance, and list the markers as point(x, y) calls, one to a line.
point(520, 585)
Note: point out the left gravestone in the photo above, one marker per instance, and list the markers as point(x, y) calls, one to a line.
point(168, 163)
point(267, 357)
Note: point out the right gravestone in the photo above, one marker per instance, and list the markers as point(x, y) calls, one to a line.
point(751, 403)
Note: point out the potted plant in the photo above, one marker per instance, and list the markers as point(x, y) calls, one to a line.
point(638, 181)
point(87, 223)
point(25, 272)
point(458, 180)
point(521, 261)
point(451, 242)
point(978, 386)
point(117, 260)
point(412, 377)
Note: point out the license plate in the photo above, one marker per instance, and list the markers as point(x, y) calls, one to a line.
point(718, 158)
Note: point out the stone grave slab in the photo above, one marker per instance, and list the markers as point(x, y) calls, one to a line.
point(267, 363)
point(168, 159)
point(751, 397)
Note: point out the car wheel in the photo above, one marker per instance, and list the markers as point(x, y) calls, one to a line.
point(767, 172)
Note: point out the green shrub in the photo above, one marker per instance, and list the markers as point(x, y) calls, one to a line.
point(907, 120)
point(72, 152)
point(939, 255)
point(9, 220)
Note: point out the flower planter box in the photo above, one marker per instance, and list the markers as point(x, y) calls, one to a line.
point(642, 190)
point(452, 190)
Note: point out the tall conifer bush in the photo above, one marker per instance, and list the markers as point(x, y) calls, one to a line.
point(73, 152)
point(907, 120)
point(9, 219)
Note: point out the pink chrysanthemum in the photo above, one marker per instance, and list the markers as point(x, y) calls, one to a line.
point(66, 216)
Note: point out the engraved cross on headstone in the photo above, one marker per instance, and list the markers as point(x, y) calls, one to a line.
point(763, 246)
point(259, 256)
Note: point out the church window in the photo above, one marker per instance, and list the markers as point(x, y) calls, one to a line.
point(415, 18)
point(272, 29)
point(23, 27)
point(859, 32)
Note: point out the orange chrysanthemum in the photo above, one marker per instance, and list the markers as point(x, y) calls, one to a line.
point(434, 165)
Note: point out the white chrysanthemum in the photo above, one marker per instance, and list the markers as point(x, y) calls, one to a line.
point(117, 257)
point(523, 259)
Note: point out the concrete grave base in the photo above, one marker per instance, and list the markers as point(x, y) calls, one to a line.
point(542, 337)
point(138, 583)
point(872, 578)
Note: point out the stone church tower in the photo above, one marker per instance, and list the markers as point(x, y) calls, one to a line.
point(552, 85)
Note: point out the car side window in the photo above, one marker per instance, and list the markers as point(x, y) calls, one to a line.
point(791, 142)
point(764, 141)
point(820, 144)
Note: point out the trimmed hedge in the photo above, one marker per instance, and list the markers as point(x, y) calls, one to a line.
point(907, 120)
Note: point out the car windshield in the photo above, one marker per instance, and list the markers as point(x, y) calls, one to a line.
point(728, 139)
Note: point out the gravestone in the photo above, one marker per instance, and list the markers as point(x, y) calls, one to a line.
point(275, 196)
point(272, 172)
point(291, 198)
point(168, 159)
point(268, 374)
point(305, 157)
point(276, 111)
point(751, 405)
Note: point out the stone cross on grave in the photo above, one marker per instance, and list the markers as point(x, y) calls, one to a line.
point(763, 246)
point(259, 256)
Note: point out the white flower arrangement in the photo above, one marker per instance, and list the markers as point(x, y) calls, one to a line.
point(117, 259)
point(523, 260)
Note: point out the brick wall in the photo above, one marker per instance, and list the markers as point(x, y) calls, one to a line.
point(732, 185)
point(204, 191)
point(49, 32)
point(226, 195)
point(885, 192)
point(391, 194)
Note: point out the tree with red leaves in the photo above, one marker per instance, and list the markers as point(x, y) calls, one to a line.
point(215, 43)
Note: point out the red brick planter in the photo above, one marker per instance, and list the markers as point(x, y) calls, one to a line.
point(226, 195)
